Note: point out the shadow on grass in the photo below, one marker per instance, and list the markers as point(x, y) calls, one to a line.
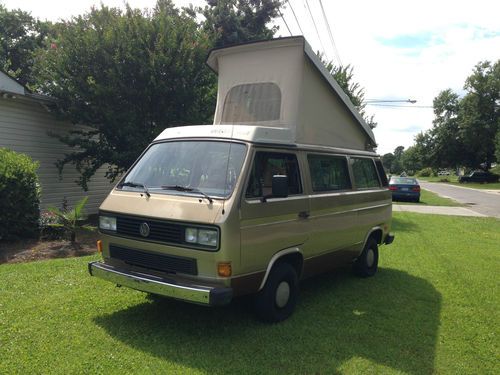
point(401, 224)
point(391, 319)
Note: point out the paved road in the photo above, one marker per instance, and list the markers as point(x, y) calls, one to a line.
point(486, 203)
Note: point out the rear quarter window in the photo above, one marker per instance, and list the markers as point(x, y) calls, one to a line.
point(381, 173)
point(365, 173)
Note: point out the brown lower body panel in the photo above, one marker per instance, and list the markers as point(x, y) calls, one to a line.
point(327, 262)
point(247, 284)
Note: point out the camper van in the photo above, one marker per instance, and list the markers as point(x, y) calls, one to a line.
point(285, 185)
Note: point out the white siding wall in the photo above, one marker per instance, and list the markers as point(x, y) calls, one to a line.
point(24, 127)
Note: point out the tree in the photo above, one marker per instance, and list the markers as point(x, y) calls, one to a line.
point(20, 36)
point(396, 165)
point(479, 113)
point(411, 160)
point(448, 148)
point(387, 160)
point(393, 161)
point(126, 75)
point(237, 21)
point(497, 146)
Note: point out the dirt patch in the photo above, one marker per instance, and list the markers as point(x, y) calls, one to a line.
point(28, 250)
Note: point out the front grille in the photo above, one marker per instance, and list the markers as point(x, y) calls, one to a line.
point(160, 231)
point(154, 261)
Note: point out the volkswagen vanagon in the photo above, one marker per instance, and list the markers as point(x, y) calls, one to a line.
point(283, 186)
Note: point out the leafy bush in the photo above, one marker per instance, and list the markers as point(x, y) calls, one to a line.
point(19, 195)
point(426, 172)
point(70, 220)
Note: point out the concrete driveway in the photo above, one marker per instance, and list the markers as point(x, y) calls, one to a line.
point(436, 210)
point(486, 203)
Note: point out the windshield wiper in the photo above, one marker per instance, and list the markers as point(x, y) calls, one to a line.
point(136, 184)
point(185, 188)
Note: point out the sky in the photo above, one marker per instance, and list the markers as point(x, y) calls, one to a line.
point(399, 49)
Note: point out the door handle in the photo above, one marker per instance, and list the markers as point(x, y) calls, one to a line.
point(304, 214)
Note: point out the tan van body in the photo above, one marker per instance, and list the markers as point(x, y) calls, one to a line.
point(277, 197)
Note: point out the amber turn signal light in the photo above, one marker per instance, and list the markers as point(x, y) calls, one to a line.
point(99, 246)
point(224, 269)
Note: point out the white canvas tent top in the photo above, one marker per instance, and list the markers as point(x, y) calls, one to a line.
point(282, 83)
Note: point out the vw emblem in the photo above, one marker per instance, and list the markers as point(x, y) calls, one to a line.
point(144, 229)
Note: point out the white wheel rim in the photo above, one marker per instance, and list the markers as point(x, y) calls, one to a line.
point(282, 294)
point(370, 257)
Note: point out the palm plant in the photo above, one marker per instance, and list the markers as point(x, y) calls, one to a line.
point(71, 220)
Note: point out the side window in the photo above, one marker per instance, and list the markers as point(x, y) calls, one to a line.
point(268, 164)
point(328, 172)
point(381, 173)
point(365, 174)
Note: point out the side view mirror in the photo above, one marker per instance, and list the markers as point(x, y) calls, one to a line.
point(280, 186)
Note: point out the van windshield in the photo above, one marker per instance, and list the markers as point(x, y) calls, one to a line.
point(207, 168)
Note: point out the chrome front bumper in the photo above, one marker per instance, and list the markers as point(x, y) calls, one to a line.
point(212, 296)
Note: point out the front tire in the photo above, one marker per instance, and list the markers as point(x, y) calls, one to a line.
point(277, 300)
point(366, 264)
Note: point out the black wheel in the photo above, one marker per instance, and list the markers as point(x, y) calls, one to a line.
point(277, 300)
point(366, 264)
point(417, 200)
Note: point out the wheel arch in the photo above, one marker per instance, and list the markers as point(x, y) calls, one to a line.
point(291, 255)
point(377, 233)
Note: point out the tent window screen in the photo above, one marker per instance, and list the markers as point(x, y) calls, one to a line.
point(253, 102)
point(365, 173)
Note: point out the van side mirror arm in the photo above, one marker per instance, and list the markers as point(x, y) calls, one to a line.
point(279, 188)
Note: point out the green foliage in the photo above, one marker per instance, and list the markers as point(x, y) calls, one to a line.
point(70, 220)
point(479, 114)
point(497, 146)
point(127, 75)
point(237, 21)
point(393, 162)
point(426, 172)
point(410, 160)
point(20, 36)
point(19, 195)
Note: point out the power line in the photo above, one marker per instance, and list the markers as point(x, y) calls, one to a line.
point(335, 51)
point(315, 27)
point(400, 106)
point(296, 19)
point(412, 101)
point(283, 18)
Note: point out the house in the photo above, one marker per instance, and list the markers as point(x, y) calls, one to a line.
point(282, 83)
point(25, 124)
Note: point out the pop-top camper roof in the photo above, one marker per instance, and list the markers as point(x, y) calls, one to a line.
point(282, 83)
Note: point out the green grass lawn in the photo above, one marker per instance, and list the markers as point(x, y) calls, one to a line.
point(428, 198)
point(453, 180)
point(432, 308)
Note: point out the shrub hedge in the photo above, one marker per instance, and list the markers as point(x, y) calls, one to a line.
point(426, 172)
point(19, 195)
